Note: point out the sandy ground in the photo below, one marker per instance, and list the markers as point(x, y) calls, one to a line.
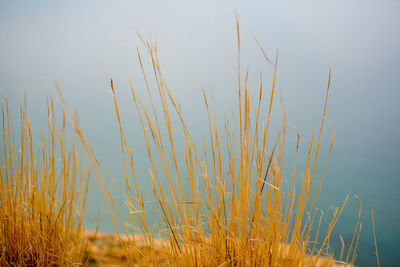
point(106, 250)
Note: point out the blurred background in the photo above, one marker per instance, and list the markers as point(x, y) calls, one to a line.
point(82, 44)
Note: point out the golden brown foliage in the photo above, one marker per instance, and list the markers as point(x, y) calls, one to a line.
point(42, 195)
point(237, 216)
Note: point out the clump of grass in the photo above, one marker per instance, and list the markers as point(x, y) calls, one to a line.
point(43, 189)
point(209, 215)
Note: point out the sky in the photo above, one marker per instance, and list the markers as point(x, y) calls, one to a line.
point(82, 44)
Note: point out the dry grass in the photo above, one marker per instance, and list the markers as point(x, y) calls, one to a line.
point(42, 195)
point(218, 203)
point(211, 215)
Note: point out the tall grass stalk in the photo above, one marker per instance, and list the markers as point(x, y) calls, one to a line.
point(42, 194)
point(209, 215)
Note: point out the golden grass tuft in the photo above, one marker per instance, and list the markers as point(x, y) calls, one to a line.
point(42, 194)
point(211, 215)
point(218, 203)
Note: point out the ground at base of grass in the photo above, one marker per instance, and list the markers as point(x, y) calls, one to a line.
point(106, 250)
